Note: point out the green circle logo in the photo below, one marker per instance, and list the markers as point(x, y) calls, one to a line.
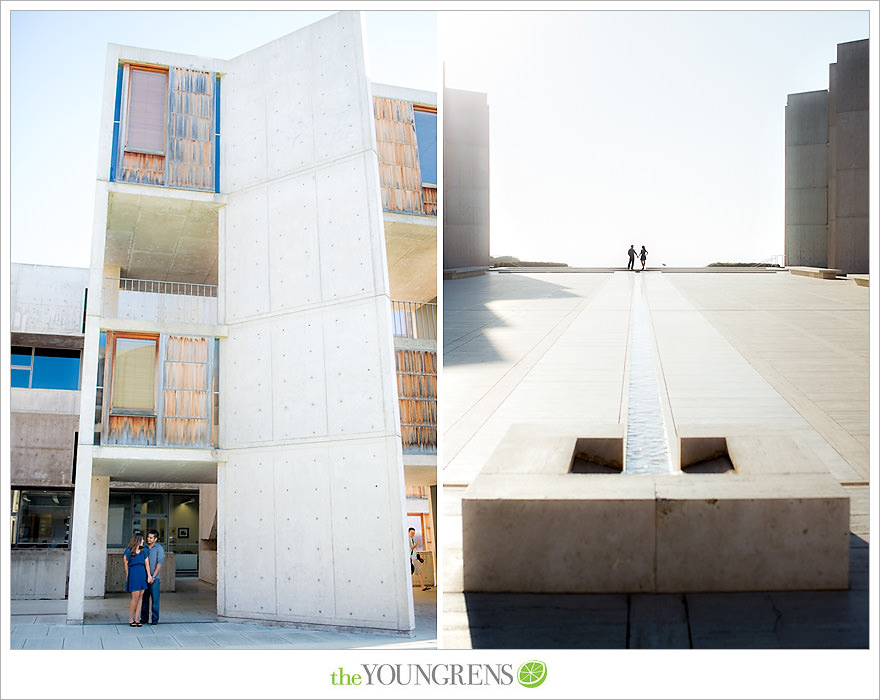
point(531, 674)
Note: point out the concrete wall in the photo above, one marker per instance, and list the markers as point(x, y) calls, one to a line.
point(465, 179)
point(848, 200)
point(38, 574)
point(47, 299)
point(806, 179)
point(311, 500)
point(42, 426)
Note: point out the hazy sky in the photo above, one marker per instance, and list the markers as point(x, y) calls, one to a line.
point(663, 129)
point(55, 93)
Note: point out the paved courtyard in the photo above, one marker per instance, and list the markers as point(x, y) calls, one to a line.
point(764, 351)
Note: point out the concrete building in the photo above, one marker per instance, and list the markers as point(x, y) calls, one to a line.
point(826, 168)
point(259, 336)
point(465, 182)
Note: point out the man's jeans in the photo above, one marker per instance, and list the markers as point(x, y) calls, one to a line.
point(151, 596)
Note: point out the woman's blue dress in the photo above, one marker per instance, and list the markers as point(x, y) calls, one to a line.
point(137, 571)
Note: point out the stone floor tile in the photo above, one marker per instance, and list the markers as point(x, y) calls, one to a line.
point(120, 641)
point(196, 641)
point(83, 643)
point(159, 641)
point(43, 643)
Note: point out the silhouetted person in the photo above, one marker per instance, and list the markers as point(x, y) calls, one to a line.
point(643, 256)
point(632, 257)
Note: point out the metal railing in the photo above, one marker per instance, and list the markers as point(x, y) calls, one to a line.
point(159, 300)
point(414, 319)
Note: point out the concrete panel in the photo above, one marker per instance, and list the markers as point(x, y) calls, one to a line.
point(357, 379)
point(806, 245)
point(309, 85)
point(850, 251)
point(852, 193)
point(47, 299)
point(294, 243)
point(369, 540)
point(851, 85)
point(303, 508)
point(806, 207)
point(344, 200)
point(573, 533)
point(246, 402)
point(247, 256)
point(806, 166)
point(249, 536)
point(38, 574)
point(851, 141)
point(726, 533)
point(299, 389)
point(806, 118)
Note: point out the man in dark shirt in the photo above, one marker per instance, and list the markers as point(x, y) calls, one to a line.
point(632, 257)
point(156, 555)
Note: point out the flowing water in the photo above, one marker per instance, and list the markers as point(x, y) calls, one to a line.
point(647, 442)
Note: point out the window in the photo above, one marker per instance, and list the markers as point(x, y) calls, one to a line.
point(147, 106)
point(133, 388)
point(426, 135)
point(41, 518)
point(45, 368)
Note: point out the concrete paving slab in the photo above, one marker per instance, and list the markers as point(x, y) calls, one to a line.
point(43, 643)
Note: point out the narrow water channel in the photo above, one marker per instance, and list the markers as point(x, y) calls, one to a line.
point(647, 441)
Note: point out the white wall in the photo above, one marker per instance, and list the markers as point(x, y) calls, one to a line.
point(311, 500)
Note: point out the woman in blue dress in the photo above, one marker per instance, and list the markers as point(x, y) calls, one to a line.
point(137, 571)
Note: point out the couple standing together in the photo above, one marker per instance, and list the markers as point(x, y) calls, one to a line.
point(142, 566)
point(643, 256)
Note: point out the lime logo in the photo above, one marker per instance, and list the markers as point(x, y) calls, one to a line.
point(531, 674)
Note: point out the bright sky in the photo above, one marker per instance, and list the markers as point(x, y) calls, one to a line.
point(56, 83)
point(655, 128)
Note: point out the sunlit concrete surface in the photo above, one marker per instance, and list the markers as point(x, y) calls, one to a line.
point(190, 621)
point(749, 355)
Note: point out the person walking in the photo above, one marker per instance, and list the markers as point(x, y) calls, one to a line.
point(643, 256)
point(137, 573)
point(632, 257)
point(156, 556)
point(415, 563)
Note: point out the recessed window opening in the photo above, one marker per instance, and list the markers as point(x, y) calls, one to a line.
point(133, 390)
point(45, 368)
point(426, 136)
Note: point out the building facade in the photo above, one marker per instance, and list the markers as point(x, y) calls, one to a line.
point(826, 168)
point(258, 344)
point(465, 182)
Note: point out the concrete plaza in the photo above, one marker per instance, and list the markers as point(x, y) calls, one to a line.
point(189, 621)
point(758, 352)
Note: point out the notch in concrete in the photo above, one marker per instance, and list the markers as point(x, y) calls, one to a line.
point(597, 455)
point(705, 455)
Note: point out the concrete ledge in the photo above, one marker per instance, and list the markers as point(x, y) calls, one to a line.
point(457, 273)
point(777, 521)
point(820, 272)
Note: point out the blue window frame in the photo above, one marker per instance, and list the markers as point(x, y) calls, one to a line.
point(426, 136)
point(45, 368)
